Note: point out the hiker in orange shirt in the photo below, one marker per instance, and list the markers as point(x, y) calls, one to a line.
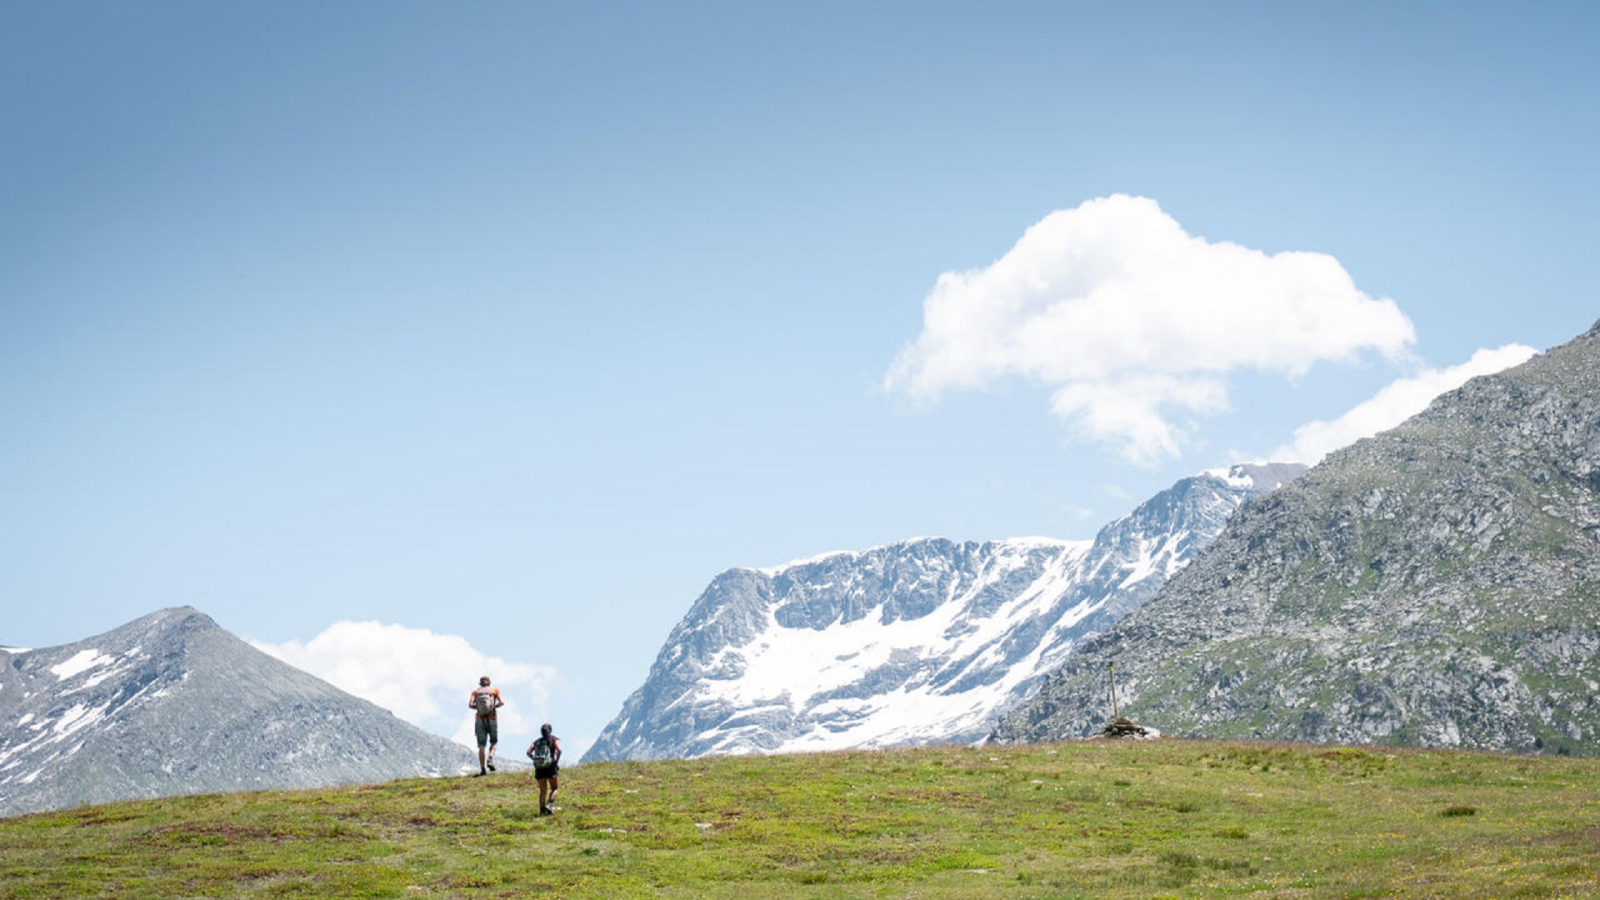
point(484, 700)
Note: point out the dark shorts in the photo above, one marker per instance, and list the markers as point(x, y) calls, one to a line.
point(487, 730)
point(543, 772)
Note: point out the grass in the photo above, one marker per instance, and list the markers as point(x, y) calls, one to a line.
point(1165, 819)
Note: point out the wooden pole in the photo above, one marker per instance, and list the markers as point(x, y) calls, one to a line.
point(1111, 668)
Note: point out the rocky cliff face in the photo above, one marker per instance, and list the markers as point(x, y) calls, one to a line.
point(1438, 584)
point(916, 642)
point(173, 704)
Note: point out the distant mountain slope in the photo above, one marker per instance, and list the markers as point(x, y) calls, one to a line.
point(1438, 584)
point(173, 704)
point(920, 641)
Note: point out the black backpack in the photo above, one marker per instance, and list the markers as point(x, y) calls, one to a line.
point(543, 753)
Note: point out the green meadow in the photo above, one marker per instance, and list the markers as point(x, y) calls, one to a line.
point(1161, 819)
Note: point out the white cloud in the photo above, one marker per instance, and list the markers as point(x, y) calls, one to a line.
point(1398, 401)
point(422, 677)
point(1136, 324)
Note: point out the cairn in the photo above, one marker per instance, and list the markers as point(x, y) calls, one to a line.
point(1120, 728)
point(1123, 728)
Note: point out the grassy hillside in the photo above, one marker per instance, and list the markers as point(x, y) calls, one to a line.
point(1186, 819)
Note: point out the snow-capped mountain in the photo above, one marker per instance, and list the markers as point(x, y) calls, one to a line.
point(921, 641)
point(173, 704)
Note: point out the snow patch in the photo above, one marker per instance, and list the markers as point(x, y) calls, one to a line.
point(78, 718)
point(775, 571)
point(1042, 543)
point(1018, 544)
point(82, 661)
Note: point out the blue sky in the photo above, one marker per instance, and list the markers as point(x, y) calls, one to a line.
point(494, 331)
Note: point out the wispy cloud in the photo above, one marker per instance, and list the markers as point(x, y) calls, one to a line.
point(421, 676)
point(1398, 401)
point(1137, 325)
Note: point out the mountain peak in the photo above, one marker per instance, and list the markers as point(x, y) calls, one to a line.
point(1263, 477)
point(171, 703)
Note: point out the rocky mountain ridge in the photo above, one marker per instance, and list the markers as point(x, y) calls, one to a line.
point(1438, 584)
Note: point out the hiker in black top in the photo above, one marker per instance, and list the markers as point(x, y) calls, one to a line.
point(546, 754)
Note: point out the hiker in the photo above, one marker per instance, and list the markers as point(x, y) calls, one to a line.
point(545, 752)
point(484, 700)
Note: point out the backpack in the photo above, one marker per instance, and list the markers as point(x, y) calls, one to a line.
point(483, 702)
point(543, 753)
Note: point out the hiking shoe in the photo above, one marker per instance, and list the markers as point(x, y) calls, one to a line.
point(545, 811)
point(491, 767)
point(479, 774)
